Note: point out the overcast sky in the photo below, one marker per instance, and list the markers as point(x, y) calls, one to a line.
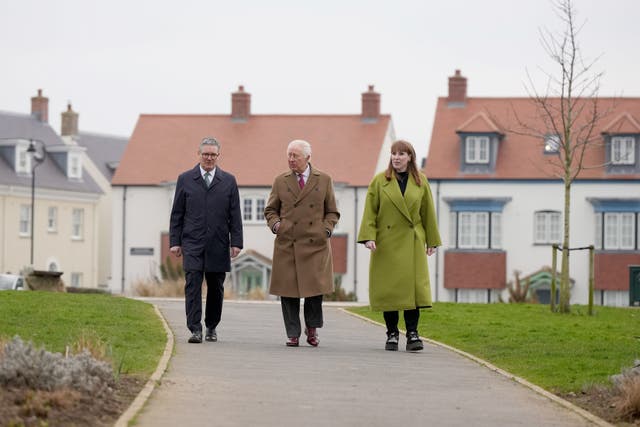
point(116, 59)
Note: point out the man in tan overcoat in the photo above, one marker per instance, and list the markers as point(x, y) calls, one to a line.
point(302, 213)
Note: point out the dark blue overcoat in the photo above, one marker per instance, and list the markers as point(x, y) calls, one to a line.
point(206, 222)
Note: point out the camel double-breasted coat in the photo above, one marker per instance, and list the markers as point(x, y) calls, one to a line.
point(302, 262)
point(402, 227)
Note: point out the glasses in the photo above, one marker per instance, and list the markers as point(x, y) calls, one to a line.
point(210, 155)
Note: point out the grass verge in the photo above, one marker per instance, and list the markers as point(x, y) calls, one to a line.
point(133, 334)
point(559, 352)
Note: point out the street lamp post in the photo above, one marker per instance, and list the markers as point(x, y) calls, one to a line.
point(37, 159)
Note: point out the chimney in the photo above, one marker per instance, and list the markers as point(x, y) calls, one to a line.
point(40, 107)
point(457, 89)
point(69, 122)
point(240, 105)
point(370, 105)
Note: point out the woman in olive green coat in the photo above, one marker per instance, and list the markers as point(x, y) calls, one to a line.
point(399, 227)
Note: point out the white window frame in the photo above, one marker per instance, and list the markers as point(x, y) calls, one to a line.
point(52, 219)
point(24, 224)
point(74, 165)
point(253, 209)
point(473, 230)
point(23, 160)
point(551, 144)
point(77, 223)
point(496, 230)
point(619, 231)
point(598, 237)
point(76, 280)
point(476, 150)
point(547, 227)
point(623, 150)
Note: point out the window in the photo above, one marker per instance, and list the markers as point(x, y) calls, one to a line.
point(75, 166)
point(25, 220)
point(616, 230)
point(77, 223)
point(247, 211)
point(253, 209)
point(476, 223)
point(623, 150)
point(52, 219)
point(23, 160)
point(551, 144)
point(477, 149)
point(477, 230)
point(546, 227)
point(76, 280)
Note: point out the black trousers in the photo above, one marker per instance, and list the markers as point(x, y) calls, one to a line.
point(193, 299)
point(411, 318)
point(291, 314)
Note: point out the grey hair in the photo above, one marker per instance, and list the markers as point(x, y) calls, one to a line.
point(208, 140)
point(304, 145)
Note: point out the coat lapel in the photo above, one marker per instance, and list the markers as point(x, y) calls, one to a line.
point(412, 193)
point(392, 190)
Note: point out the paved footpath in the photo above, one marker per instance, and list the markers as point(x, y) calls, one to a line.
point(249, 378)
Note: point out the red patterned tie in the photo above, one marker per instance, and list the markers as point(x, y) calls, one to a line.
point(301, 181)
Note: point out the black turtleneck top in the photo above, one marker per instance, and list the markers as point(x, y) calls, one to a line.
point(402, 180)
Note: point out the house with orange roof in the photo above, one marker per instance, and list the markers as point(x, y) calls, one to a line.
point(500, 200)
point(352, 148)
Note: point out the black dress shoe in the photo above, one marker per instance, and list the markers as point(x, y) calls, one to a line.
point(196, 338)
point(211, 335)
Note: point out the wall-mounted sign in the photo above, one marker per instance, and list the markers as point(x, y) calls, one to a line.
point(141, 251)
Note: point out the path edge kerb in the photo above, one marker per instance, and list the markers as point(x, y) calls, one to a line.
point(144, 394)
point(565, 403)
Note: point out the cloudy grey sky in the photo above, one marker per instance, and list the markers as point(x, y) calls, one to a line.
point(116, 59)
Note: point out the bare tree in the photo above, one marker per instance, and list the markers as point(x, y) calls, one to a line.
point(570, 116)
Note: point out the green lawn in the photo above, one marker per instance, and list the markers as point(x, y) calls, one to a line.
point(558, 352)
point(133, 333)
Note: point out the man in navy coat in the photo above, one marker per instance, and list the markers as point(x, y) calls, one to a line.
point(206, 230)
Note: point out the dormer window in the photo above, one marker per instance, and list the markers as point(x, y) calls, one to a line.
point(68, 159)
point(23, 160)
point(477, 149)
point(551, 144)
point(623, 150)
point(75, 166)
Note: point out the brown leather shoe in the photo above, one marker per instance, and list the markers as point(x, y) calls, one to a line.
point(312, 336)
point(292, 342)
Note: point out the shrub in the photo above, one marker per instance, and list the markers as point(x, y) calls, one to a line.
point(22, 365)
point(339, 294)
point(517, 292)
point(627, 385)
point(165, 288)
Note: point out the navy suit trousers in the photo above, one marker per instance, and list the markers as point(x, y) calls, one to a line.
point(193, 299)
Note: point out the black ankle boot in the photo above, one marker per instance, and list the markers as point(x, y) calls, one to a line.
point(392, 341)
point(414, 343)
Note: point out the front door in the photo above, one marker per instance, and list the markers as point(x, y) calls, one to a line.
point(634, 285)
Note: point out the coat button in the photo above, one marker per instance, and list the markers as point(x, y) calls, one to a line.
point(310, 222)
point(295, 222)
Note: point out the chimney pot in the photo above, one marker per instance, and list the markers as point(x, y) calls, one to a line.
point(40, 107)
point(69, 122)
point(370, 105)
point(457, 88)
point(240, 105)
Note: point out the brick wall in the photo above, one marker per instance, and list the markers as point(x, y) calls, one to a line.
point(611, 270)
point(475, 269)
